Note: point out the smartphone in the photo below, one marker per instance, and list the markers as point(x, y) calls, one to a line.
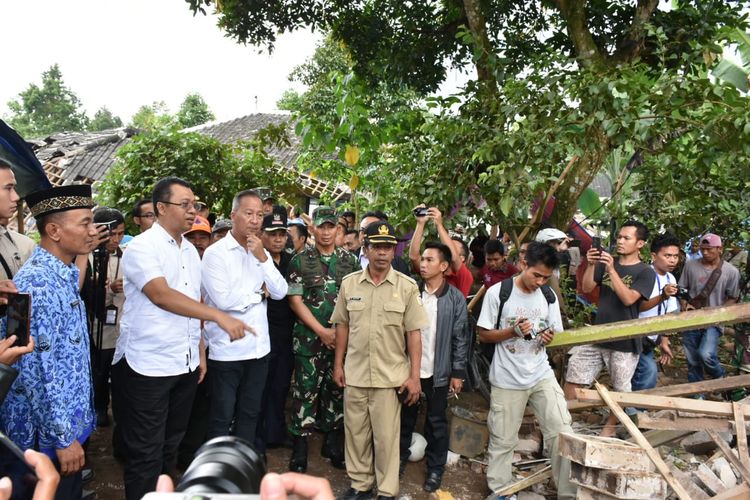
point(420, 212)
point(18, 316)
point(596, 243)
point(13, 464)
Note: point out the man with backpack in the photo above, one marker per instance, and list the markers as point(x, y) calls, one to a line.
point(520, 316)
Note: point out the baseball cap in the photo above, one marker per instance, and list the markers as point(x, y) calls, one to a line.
point(550, 234)
point(200, 224)
point(222, 225)
point(273, 221)
point(380, 232)
point(711, 240)
point(324, 214)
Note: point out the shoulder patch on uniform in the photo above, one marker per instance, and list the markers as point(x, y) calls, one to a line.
point(409, 279)
point(351, 274)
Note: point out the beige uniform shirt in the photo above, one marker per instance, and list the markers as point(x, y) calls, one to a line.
point(378, 317)
point(15, 249)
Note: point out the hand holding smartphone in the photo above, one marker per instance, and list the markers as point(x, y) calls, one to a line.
point(18, 316)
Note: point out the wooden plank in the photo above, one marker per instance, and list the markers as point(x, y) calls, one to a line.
point(537, 477)
point(664, 324)
point(710, 480)
point(657, 438)
point(621, 484)
point(739, 492)
point(739, 418)
point(717, 408)
point(731, 457)
point(624, 419)
point(686, 480)
point(604, 453)
point(693, 424)
point(704, 386)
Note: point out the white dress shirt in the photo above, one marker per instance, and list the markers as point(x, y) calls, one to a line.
point(154, 341)
point(232, 282)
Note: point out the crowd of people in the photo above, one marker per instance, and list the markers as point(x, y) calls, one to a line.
point(198, 328)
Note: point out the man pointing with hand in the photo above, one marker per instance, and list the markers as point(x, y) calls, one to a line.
point(155, 366)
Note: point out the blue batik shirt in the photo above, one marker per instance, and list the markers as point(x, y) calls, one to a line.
point(51, 403)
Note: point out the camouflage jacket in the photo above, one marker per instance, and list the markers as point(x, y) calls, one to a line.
point(317, 279)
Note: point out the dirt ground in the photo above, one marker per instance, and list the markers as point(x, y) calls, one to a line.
point(463, 480)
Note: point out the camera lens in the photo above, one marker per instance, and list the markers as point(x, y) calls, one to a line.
point(224, 464)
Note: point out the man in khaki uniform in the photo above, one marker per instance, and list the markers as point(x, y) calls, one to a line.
point(378, 317)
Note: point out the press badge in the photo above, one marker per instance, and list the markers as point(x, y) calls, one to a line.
point(111, 315)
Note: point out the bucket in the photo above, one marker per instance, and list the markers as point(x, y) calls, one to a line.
point(469, 434)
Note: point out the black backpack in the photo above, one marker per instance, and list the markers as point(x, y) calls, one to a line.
point(506, 287)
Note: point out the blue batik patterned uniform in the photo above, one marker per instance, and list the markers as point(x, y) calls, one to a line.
point(51, 403)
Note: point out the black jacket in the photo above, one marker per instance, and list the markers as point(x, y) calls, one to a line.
point(453, 336)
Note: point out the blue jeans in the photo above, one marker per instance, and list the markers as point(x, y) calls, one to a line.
point(700, 350)
point(645, 373)
point(644, 377)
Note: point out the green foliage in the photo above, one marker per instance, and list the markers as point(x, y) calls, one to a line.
point(53, 107)
point(290, 100)
point(153, 117)
point(217, 171)
point(194, 111)
point(104, 120)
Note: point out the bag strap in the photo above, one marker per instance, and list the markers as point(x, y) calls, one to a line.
point(710, 284)
point(506, 288)
point(6, 267)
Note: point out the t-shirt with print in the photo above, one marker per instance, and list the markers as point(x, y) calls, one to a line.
point(518, 363)
point(639, 277)
point(671, 305)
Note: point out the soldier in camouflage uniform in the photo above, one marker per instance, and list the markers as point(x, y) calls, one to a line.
point(314, 277)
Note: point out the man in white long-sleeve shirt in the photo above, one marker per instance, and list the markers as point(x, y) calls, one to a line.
point(238, 275)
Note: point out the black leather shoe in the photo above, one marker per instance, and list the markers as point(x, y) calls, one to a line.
point(298, 462)
point(401, 469)
point(352, 494)
point(432, 482)
point(333, 449)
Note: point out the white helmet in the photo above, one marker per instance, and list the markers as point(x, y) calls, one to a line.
point(550, 234)
point(417, 448)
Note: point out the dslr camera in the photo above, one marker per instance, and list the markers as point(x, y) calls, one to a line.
point(225, 468)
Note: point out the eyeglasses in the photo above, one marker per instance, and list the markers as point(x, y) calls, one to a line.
point(185, 205)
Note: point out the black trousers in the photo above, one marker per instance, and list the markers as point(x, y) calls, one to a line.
point(435, 426)
point(154, 413)
point(272, 425)
point(103, 370)
point(236, 395)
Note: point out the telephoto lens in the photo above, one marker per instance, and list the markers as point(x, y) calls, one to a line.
point(225, 464)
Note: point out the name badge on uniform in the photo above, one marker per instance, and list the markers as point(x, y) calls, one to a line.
point(111, 315)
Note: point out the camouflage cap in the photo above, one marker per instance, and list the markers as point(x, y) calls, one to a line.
point(324, 214)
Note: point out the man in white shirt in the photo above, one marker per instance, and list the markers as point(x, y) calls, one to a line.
point(665, 253)
point(155, 367)
point(238, 275)
point(520, 326)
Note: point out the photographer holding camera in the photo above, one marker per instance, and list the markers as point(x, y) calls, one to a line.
point(521, 316)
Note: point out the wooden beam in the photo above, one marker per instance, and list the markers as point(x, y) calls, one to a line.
point(741, 491)
point(657, 438)
point(535, 478)
point(692, 424)
point(624, 419)
point(739, 418)
point(717, 408)
point(731, 457)
point(713, 385)
point(664, 325)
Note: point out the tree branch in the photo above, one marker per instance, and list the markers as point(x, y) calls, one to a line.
point(632, 44)
point(574, 14)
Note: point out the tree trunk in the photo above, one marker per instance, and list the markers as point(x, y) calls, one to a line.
point(581, 175)
point(478, 28)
